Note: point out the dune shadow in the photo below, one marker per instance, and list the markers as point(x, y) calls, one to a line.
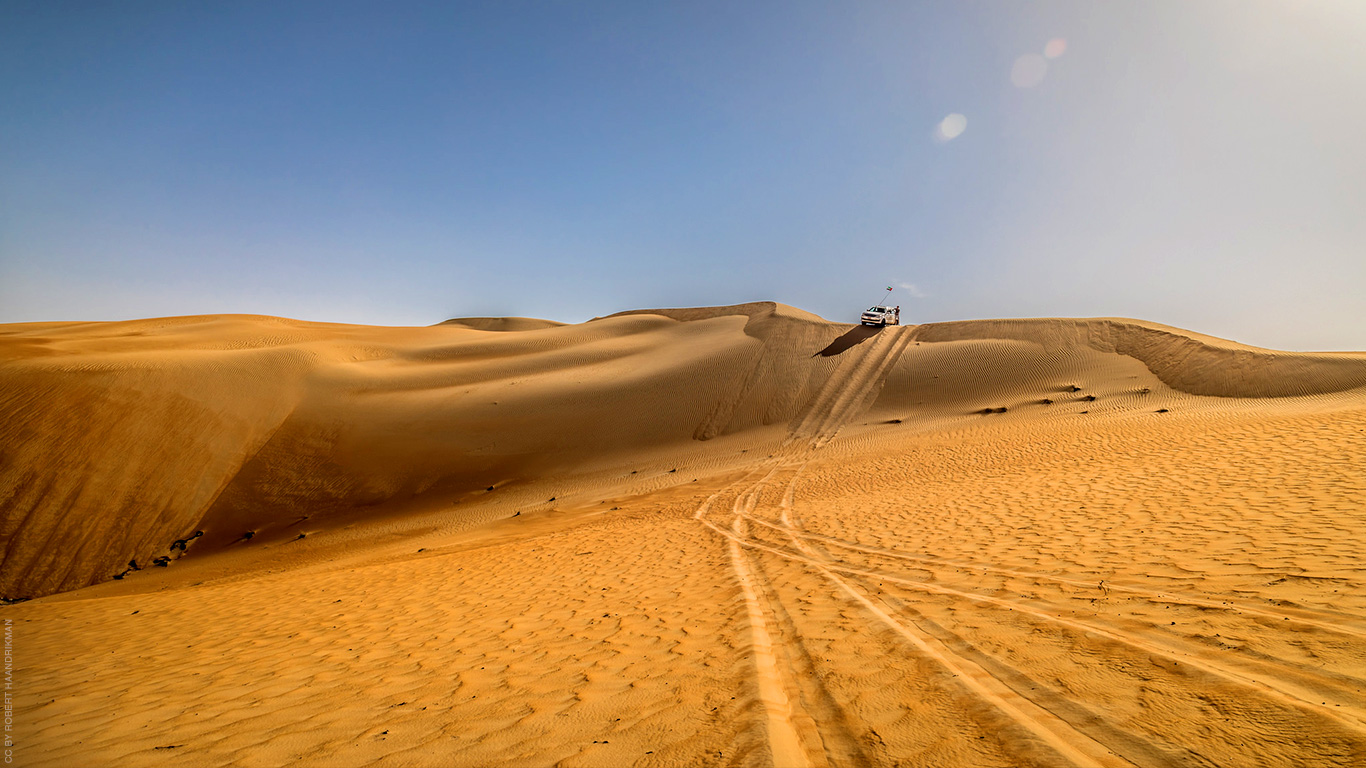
point(856, 335)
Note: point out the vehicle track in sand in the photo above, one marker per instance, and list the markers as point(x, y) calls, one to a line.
point(1294, 615)
point(1287, 691)
point(1072, 745)
point(1307, 685)
point(763, 531)
point(851, 387)
point(1072, 730)
point(848, 391)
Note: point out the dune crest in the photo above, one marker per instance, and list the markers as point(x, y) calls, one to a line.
point(755, 310)
point(1186, 361)
point(512, 324)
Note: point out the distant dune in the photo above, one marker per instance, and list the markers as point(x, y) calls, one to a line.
point(784, 460)
point(503, 323)
point(1189, 362)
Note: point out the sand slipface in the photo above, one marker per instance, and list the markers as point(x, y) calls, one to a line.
point(709, 536)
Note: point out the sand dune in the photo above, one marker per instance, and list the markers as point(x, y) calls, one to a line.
point(503, 323)
point(720, 536)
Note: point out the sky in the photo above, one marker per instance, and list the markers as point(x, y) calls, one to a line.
point(1198, 164)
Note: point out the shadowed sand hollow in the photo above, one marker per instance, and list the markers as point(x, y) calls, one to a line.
point(711, 536)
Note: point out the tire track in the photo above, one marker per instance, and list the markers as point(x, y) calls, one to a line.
point(781, 730)
point(1302, 683)
point(828, 731)
point(787, 514)
point(846, 393)
point(1047, 727)
point(1134, 747)
point(1064, 725)
point(1168, 598)
point(1295, 680)
point(1061, 736)
point(1058, 735)
point(850, 388)
point(781, 710)
point(1287, 694)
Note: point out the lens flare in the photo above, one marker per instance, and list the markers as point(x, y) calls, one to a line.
point(1055, 48)
point(951, 127)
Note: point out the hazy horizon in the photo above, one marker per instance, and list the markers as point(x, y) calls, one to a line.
point(1196, 165)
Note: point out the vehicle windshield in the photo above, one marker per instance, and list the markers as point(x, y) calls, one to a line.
point(877, 309)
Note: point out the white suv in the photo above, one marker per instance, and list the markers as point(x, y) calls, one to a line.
point(881, 316)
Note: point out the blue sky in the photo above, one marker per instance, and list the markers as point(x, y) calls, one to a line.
point(1196, 164)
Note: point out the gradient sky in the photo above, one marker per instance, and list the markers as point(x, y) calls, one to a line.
point(1200, 164)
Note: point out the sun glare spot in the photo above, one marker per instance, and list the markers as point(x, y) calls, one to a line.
point(951, 127)
point(1055, 48)
point(1029, 70)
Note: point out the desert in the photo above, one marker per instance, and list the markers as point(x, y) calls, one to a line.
point(758, 384)
point(739, 535)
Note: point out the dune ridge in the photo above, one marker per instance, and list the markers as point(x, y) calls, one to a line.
point(512, 324)
point(1185, 361)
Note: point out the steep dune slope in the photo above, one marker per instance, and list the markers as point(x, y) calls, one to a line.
point(122, 438)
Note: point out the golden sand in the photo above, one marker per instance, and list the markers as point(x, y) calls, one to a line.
point(725, 536)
